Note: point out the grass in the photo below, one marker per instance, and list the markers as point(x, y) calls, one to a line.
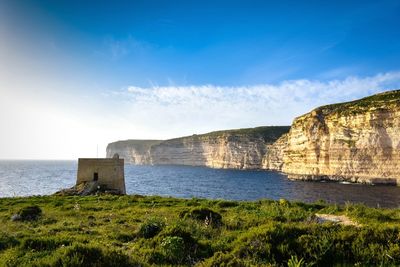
point(144, 231)
point(382, 101)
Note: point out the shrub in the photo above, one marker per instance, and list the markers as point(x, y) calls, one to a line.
point(29, 213)
point(209, 217)
point(191, 249)
point(273, 243)
point(151, 228)
point(174, 248)
point(317, 246)
point(178, 231)
point(7, 241)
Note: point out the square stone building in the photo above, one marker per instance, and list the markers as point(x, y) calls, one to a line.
point(108, 172)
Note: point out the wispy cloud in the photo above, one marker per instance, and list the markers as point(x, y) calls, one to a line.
point(177, 110)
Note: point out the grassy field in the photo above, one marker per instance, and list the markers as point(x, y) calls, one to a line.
point(141, 231)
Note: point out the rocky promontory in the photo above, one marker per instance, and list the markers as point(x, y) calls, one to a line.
point(357, 141)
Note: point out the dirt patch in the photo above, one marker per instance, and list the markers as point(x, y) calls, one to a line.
point(340, 219)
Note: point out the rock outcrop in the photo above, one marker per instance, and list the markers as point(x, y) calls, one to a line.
point(273, 158)
point(357, 141)
point(86, 189)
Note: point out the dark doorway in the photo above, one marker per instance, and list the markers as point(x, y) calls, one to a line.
point(95, 176)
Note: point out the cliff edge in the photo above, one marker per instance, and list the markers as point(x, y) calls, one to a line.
point(357, 141)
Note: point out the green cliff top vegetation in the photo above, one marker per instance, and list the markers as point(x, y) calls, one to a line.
point(268, 133)
point(111, 230)
point(379, 101)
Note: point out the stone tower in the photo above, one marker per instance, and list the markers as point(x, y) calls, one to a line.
point(108, 172)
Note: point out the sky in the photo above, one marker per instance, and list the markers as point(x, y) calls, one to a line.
point(77, 75)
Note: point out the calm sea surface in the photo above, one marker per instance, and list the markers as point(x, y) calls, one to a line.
point(24, 178)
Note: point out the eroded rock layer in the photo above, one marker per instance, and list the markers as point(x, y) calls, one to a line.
point(132, 151)
point(357, 141)
point(222, 151)
point(236, 149)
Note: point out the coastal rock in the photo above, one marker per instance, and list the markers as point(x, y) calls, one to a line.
point(133, 151)
point(86, 189)
point(220, 151)
point(357, 141)
point(273, 158)
point(233, 149)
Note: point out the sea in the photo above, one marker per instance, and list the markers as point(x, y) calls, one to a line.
point(31, 177)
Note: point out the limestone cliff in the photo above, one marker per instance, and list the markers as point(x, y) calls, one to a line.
point(273, 158)
point(133, 151)
point(236, 149)
point(356, 141)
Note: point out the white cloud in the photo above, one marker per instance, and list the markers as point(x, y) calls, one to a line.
point(180, 110)
point(61, 125)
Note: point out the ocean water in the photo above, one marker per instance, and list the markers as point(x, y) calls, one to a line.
point(25, 178)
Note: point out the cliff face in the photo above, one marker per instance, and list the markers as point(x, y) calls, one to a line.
point(357, 141)
point(225, 151)
point(273, 158)
point(235, 149)
point(133, 151)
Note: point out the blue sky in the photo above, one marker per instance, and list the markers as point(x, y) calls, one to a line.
point(159, 69)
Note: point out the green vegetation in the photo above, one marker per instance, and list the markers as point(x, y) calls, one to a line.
point(377, 101)
point(29, 213)
point(268, 133)
point(111, 230)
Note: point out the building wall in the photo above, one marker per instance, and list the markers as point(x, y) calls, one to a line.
point(110, 172)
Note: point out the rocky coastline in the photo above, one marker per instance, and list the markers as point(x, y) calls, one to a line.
point(356, 141)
